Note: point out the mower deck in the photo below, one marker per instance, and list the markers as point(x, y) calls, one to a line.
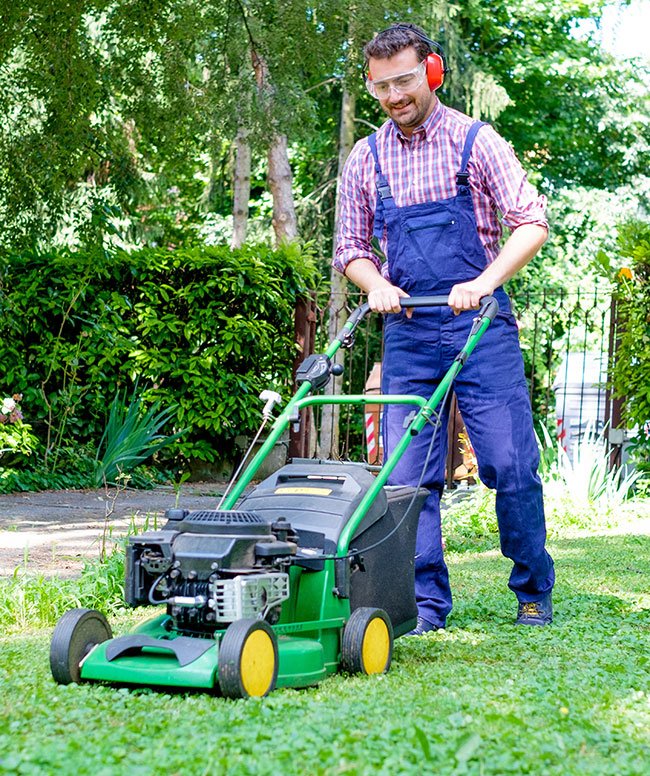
point(302, 661)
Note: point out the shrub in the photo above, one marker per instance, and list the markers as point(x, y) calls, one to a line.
point(631, 370)
point(16, 437)
point(202, 330)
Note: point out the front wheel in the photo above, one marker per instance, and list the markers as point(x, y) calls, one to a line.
point(75, 634)
point(367, 642)
point(248, 660)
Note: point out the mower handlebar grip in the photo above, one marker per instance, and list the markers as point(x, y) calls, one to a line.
point(489, 305)
point(424, 301)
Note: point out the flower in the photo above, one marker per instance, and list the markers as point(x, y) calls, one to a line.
point(10, 410)
point(8, 406)
point(625, 273)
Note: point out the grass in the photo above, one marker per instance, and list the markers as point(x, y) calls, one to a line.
point(28, 600)
point(482, 697)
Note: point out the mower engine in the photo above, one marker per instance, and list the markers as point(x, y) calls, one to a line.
point(211, 568)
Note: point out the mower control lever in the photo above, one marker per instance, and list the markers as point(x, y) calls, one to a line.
point(489, 308)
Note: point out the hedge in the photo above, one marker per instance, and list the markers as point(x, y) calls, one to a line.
point(203, 330)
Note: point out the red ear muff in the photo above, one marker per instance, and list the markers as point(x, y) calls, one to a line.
point(435, 71)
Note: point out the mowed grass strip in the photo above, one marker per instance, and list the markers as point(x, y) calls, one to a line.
point(483, 697)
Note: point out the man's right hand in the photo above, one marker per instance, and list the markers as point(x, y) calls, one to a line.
point(383, 296)
point(385, 299)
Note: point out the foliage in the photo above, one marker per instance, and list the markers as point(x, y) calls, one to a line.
point(16, 437)
point(629, 269)
point(202, 330)
point(26, 599)
point(590, 126)
point(587, 477)
point(470, 699)
point(469, 522)
point(579, 492)
point(132, 435)
point(116, 123)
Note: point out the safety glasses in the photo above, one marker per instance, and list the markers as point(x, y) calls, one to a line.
point(404, 82)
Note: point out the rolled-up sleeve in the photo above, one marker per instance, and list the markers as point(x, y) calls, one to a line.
point(356, 213)
point(514, 196)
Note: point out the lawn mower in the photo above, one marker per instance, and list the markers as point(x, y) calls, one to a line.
point(309, 572)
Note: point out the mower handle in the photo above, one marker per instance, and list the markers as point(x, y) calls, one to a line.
point(489, 309)
point(412, 301)
point(423, 301)
point(489, 305)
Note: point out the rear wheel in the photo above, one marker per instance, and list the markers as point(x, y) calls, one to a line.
point(367, 642)
point(75, 634)
point(248, 660)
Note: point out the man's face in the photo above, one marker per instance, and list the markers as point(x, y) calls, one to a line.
point(408, 109)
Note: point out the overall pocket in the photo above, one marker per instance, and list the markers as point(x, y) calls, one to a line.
point(435, 240)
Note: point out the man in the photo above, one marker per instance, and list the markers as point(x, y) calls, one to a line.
point(428, 185)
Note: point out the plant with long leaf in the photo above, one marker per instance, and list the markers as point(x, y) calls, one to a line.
point(132, 435)
point(587, 474)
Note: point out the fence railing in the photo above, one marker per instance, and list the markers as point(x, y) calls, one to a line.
point(568, 342)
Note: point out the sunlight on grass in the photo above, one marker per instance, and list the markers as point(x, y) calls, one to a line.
point(482, 697)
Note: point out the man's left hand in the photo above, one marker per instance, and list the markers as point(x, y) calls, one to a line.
point(467, 296)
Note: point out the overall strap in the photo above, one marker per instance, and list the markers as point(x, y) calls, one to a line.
point(384, 194)
point(462, 176)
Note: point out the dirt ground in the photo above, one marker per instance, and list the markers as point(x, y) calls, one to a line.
point(52, 532)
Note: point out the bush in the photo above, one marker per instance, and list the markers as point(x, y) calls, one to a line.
point(16, 437)
point(632, 366)
point(201, 330)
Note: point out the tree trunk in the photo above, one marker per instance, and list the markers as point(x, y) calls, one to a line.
point(241, 187)
point(329, 437)
point(285, 224)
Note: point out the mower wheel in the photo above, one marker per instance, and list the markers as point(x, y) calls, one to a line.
point(367, 642)
point(248, 660)
point(75, 634)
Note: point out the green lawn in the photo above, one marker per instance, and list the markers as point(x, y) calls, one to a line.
point(483, 697)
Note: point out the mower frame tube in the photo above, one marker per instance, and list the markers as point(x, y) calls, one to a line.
point(345, 338)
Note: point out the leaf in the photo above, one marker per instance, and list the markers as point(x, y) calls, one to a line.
point(423, 741)
point(468, 748)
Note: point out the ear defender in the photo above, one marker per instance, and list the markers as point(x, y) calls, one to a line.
point(436, 64)
point(435, 71)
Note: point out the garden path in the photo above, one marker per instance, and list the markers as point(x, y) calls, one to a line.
point(53, 532)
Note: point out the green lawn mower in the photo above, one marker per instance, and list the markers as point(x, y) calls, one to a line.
point(309, 572)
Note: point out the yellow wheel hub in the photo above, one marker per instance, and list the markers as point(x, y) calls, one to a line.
point(376, 647)
point(257, 664)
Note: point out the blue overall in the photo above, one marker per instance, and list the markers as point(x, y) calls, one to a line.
point(431, 247)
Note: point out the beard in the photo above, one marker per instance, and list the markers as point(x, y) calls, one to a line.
point(409, 112)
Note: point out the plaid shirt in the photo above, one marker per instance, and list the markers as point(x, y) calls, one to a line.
point(423, 169)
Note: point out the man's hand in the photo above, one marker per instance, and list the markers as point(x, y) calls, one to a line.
point(467, 296)
point(517, 251)
point(385, 299)
point(383, 296)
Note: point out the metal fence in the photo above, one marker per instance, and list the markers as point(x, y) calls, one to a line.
point(568, 342)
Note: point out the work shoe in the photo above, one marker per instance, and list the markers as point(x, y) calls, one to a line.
point(535, 612)
point(423, 626)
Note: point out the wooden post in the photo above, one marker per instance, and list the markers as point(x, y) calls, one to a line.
point(613, 404)
point(305, 330)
